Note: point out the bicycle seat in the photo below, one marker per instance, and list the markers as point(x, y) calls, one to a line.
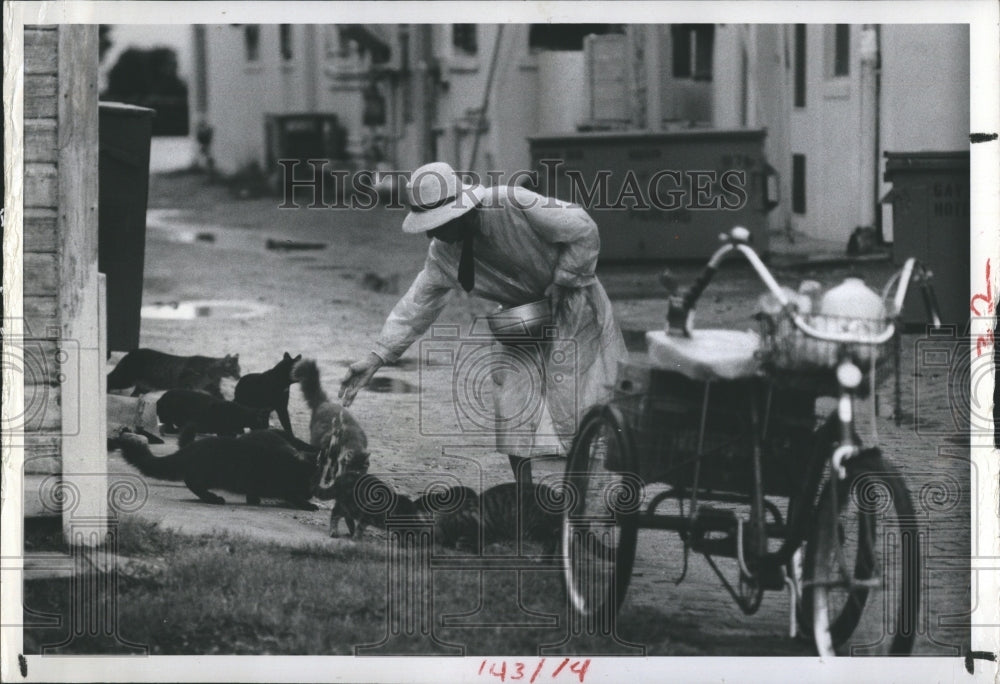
point(707, 354)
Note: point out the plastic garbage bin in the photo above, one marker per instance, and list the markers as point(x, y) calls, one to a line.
point(930, 221)
point(123, 173)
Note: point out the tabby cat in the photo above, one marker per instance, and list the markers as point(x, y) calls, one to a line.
point(331, 428)
point(356, 494)
point(260, 463)
point(148, 370)
point(499, 520)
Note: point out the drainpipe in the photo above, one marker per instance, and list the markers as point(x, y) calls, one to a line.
point(868, 122)
point(423, 105)
point(310, 60)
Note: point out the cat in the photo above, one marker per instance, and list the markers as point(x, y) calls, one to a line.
point(352, 485)
point(180, 407)
point(331, 428)
point(260, 463)
point(864, 240)
point(148, 370)
point(476, 521)
point(269, 390)
point(501, 521)
point(455, 514)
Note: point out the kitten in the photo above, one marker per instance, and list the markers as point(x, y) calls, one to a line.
point(260, 463)
point(208, 414)
point(148, 370)
point(269, 390)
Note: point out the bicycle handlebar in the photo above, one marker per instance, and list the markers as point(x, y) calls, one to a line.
point(738, 239)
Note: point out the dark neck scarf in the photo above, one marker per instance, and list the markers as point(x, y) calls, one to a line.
point(466, 264)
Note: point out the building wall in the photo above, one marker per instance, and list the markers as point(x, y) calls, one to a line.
point(41, 249)
point(63, 348)
point(827, 131)
point(512, 110)
point(925, 69)
point(241, 93)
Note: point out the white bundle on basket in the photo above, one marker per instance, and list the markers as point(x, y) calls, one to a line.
point(850, 308)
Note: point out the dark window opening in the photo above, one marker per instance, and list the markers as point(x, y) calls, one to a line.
point(799, 183)
point(251, 42)
point(464, 39)
point(800, 65)
point(566, 36)
point(692, 50)
point(842, 50)
point(285, 40)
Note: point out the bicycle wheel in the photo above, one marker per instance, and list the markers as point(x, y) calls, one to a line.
point(600, 524)
point(862, 563)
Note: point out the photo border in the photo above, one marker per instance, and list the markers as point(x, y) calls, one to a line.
point(980, 15)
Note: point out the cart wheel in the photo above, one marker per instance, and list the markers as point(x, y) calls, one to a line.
point(601, 521)
point(864, 553)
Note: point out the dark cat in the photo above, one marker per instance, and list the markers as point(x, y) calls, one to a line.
point(208, 414)
point(864, 240)
point(148, 369)
point(269, 390)
point(331, 428)
point(189, 434)
point(260, 463)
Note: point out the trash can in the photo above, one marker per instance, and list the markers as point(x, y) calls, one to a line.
point(123, 175)
point(930, 221)
point(663, 195)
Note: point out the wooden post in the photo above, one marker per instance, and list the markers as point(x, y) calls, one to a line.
point(84, 446)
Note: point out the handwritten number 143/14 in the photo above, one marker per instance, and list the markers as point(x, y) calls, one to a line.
point(519, 670)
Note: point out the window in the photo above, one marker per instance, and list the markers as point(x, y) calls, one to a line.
point(251, 42)
point(800, 65)
point(692, 50)
point(799, 183)
point(838, 50)
point(463, 38)
point(285, 41)
point(566, 36)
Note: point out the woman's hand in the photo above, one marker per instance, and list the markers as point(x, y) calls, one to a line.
point(558, 296)
point(359, 374)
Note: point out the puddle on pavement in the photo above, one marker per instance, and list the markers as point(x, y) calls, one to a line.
point(285, 245)
point(390, 386)
point(183, 237)
point(187, 311)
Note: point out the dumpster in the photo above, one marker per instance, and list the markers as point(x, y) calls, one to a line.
point(664, 195)
point(930, 221)
point(123, 174)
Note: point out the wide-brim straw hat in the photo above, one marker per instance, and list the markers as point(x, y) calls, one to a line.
point(437, 195)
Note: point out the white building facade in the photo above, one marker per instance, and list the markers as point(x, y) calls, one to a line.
point(832, 98)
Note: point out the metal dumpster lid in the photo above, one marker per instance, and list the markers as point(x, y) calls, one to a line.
point(650, 136)
point(927, 161)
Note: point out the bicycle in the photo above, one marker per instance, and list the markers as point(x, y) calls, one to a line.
point(725, 421)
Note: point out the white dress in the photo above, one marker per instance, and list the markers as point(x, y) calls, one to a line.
point(526, 242)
